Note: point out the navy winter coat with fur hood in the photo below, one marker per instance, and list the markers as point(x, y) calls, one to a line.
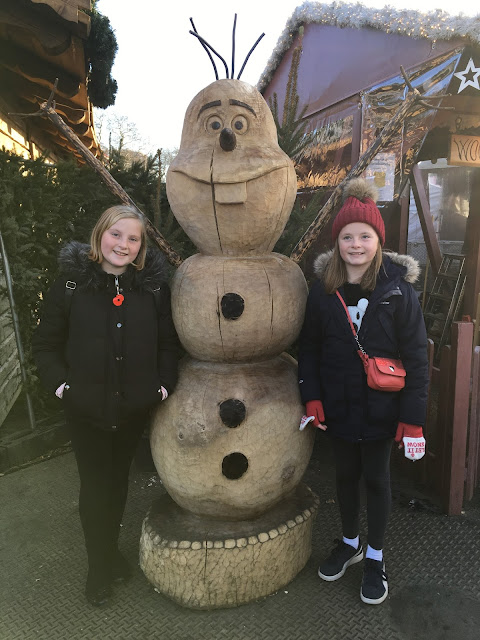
point(114, 359)
point(330, 369)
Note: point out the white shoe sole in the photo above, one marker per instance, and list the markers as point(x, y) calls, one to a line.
point(356, 558)
point(378, 600)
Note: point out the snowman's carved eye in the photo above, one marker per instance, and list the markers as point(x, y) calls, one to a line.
point(213, 124)
point(240, 125)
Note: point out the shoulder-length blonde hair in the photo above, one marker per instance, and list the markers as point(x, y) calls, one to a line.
point(335, 274)
point(108, 218)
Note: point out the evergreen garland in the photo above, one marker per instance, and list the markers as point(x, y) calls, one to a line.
point(100, 51)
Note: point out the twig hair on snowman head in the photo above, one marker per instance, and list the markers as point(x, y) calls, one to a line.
point(208, 47)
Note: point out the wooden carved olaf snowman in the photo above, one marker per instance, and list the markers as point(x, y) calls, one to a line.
point(227, 444)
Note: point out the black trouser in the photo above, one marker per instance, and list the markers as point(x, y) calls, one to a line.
point(103, 460)
point(372, 460)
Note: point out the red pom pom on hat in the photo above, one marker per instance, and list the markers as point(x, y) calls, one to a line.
point(359, 198)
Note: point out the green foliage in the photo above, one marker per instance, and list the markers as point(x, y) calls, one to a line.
point(100, 51)
point(303, 214)
point(44, 206)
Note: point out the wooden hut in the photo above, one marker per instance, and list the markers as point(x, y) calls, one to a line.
point(349, 76)
point(41, 40)
point(428, 175)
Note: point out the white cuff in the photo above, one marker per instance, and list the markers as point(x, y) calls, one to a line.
point(164, 393)
point(59, 391)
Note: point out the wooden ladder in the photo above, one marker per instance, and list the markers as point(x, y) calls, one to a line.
point(445, 298)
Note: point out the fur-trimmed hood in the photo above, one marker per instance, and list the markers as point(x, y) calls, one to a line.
point(411, 268)
point(74, 262)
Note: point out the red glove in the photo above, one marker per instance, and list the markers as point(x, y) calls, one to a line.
point(315, 408)
point(411, 437)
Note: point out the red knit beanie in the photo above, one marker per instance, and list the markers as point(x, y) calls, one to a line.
point(359, 198)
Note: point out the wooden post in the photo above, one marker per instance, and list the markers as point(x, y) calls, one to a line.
point(112, 185)
point(474, 428)
point(462, 333)
point(428, 427)
point(356, 136)
point(443, 418)
point(424, 215)
point(476, 321)
point(403, 231)
point(472, 255)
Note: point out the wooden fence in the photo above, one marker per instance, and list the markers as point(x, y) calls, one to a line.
point(10, 378)
point(452, 463)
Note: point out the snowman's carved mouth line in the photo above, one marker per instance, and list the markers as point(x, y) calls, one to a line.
point(230, 193)
point(223, 177)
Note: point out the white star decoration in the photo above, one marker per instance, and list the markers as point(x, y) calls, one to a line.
point(470, 68)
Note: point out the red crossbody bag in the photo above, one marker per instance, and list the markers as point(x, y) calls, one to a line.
point(383, 374)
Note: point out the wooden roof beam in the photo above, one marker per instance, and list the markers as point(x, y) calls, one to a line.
point(16, 86)
point(39, 71)
point(425, 217)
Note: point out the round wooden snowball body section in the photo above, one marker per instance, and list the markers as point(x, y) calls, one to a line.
point(232, 464)
point(238, 309)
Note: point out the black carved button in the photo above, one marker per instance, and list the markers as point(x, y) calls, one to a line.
point(234, 466)
point(232, 306)
point(232, 412)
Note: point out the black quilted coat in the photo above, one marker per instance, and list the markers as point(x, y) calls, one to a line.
point(114, 359)
point(330, 369)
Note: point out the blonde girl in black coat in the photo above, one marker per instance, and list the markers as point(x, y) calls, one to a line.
point(107, 347)
point(363, 422)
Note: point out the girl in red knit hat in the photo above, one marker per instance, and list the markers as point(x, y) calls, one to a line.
point(375, 289)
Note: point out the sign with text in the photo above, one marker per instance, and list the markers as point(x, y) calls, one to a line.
point(464, 150)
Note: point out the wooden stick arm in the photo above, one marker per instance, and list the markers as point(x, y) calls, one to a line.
point(46, 109)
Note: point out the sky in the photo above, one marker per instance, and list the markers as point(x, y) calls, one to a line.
point(160, 67)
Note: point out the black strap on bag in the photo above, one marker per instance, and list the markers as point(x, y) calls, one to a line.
point(70, 287)
point(156, 297)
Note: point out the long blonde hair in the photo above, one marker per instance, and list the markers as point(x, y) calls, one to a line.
point(335, 274)
point(108, 218)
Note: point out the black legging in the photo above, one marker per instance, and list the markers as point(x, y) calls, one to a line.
point(103, 460)
point(372, 460)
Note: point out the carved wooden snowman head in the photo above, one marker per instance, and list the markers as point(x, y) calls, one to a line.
point(231, 187)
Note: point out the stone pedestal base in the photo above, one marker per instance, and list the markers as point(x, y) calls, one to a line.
point(203, 563)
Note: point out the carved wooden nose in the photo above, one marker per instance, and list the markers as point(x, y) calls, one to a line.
point(228, 140)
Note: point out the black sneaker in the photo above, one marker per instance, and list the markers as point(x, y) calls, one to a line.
point(121, 568)
point(333, 567)
point(97, 590)
point(374, 584)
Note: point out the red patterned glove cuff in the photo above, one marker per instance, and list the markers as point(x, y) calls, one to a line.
point(408, 430)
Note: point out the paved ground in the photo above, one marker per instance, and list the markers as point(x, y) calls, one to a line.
point(433, 563)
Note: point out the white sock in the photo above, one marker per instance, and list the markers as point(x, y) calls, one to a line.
point(374, 554)
point(353, 542)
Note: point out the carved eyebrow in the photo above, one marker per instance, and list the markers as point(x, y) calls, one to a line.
point(243, 104)
point(209, 105)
